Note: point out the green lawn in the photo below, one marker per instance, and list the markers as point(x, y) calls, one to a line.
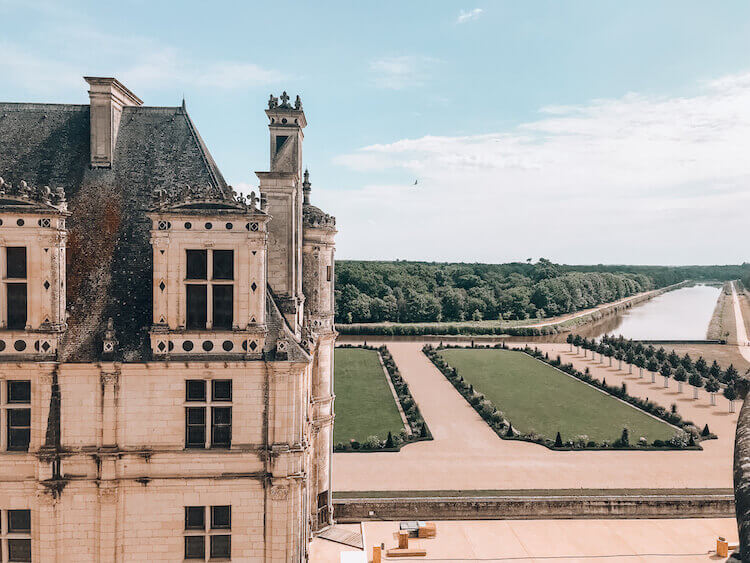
point(364, 402)
point(538, 398)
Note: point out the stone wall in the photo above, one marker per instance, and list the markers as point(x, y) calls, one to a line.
point(522, 507)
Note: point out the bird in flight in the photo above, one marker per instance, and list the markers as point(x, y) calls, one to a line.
point(416, 182)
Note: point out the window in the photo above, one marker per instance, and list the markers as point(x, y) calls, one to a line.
point(195, 390)
point(210, 299)
point(219, 408)
point(17, 416)
point(18, 535)
point(15, 262)
point(329, 273)
point(15, 290)
point(219, 540)
point(280, 140)
point(196, 306)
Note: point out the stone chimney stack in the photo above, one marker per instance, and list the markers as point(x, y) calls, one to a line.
point(107, 97)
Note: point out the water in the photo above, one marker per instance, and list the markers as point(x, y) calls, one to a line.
point(683, 314)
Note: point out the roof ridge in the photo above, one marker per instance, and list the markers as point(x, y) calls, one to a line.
point(41, 106)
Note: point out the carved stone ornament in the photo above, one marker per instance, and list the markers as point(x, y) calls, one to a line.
point(279, 492)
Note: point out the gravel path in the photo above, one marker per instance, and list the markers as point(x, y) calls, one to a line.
point(466, 453)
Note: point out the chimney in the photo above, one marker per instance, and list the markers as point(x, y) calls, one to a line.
point(107, 97)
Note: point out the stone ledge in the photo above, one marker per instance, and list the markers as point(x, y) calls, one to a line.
point(717, 505)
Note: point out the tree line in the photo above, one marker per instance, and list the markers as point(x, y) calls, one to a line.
point(668, 365)
point(410, 292)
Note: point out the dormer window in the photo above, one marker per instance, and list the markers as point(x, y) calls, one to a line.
point(209, 275)
point(14, 281)
point(209, 297)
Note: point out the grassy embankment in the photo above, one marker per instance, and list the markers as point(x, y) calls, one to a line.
point(722, 325)
point(539, 399)
point(364, 401)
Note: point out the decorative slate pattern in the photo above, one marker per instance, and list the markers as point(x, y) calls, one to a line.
point(157, 148)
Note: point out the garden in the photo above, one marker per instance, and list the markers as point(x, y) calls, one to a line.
point(367, 417)
point(522, 394)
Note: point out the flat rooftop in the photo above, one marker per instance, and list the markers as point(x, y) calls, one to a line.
point(562, 541)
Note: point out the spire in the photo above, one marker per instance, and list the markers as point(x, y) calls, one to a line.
point(306, 188)
point(184, 107)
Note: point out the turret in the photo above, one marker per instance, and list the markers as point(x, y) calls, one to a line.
point(320, 336)
point(282, 188)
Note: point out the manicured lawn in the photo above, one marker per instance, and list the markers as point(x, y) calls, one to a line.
point(537, 398)
point(364, 402)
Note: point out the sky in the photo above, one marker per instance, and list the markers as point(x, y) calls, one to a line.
point(585, 132)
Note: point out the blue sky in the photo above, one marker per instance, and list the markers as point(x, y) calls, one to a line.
point(586, 132)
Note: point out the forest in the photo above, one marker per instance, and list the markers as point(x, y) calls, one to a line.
point(410, 292)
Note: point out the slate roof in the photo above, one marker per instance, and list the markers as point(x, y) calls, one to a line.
point(110, 260)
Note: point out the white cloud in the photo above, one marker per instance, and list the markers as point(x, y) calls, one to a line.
point(467, 16)
point(397, 73)
point(141, 63)
point(634, 179)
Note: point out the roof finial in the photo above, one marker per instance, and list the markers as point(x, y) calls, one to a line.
point(306, 187)
point(284, 100)
point(184, 107)
point(298, 103)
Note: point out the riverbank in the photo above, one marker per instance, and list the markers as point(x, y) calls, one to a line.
point(552, 325)
point(722, 325)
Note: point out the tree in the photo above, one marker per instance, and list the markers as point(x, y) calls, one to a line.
point(673, 359)
point(389, 440)
point(715, 370)
point(653, 367)
point(712, 386)
point(609, 352)
point(661, 354)
point(569, 340)
point(731, 395)
point(630, 360)
point(619, 356)
point(640, 362)
point(680, 376)
point(625, 438)
point(577, 343)
point(666, 372)
point(697, 382)
point(701, 366)
point(731, 374)
point(687, 362)
point(558, 441)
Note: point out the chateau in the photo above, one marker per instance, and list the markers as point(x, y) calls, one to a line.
point(166, 345)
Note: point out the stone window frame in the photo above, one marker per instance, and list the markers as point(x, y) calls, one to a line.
point(208, 406)
point(209, 282)
point(7, 536)
point(6, 407)
point(7, 281)
point(208, 532)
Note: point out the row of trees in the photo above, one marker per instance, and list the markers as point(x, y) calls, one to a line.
point(669, 365)
point(408, 292)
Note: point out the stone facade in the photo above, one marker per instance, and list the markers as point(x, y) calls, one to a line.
point(177, 409)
